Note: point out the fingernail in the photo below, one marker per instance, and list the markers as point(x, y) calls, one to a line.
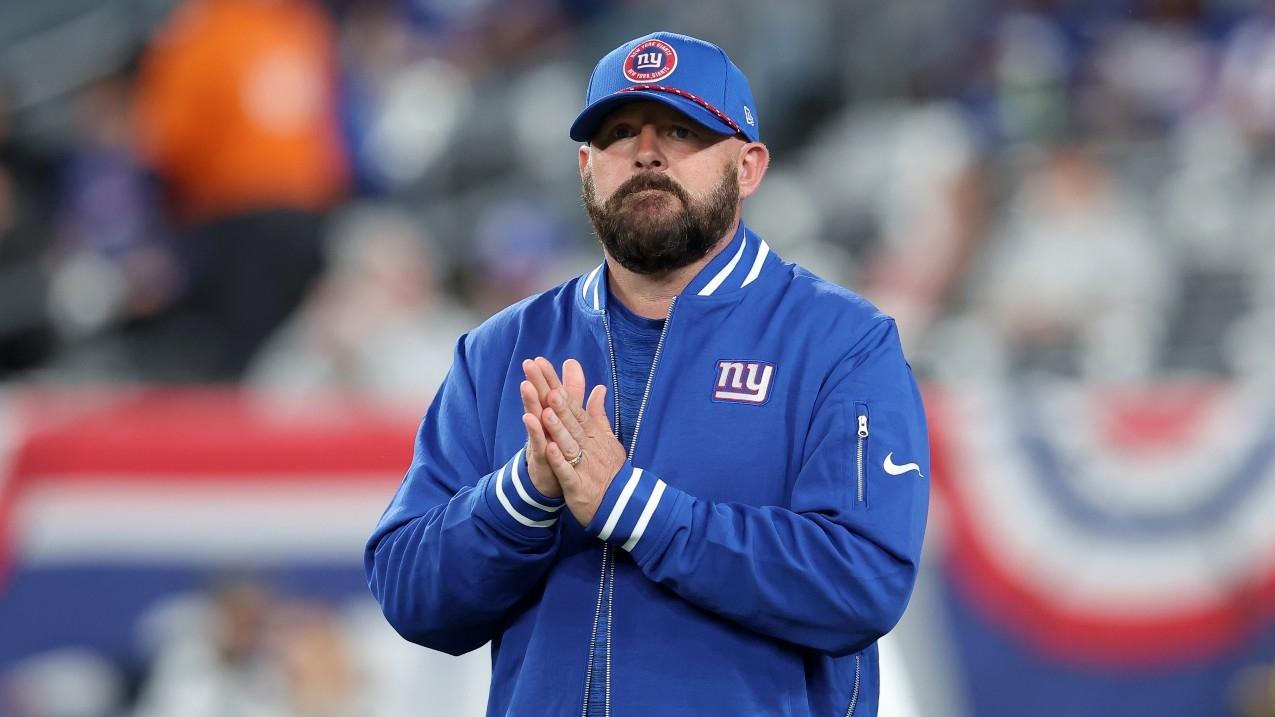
point(551, 418)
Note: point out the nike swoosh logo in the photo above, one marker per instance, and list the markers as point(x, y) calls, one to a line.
point(897, 470)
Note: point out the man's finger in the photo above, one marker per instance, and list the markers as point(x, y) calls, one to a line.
point(536, 439)
point(531, 369)
point(558, 430)
point(565, 472)
point(530, 399)
point(546, 368)
point(573, 417)
point(573, 381)
point(597, 408)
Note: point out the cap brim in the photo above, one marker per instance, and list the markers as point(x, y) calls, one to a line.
point(587, 123)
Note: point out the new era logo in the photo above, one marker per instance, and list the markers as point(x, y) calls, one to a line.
point(743, 381)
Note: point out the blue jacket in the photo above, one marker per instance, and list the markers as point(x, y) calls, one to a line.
point(764, 534)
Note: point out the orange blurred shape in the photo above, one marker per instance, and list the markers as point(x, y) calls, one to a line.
point(237, 108)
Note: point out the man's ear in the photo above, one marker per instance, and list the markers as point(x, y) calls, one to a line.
point(584, 160)
point(754, 158)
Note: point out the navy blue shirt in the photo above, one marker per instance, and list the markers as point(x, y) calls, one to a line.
point(635, 338)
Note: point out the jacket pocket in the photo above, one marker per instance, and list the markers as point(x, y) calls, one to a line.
point(861, 434)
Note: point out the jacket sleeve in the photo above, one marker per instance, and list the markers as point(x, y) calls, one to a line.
point(834, 570)
point(462, 541)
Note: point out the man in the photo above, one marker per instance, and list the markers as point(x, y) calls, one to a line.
point(745, 485)
point(238, 112)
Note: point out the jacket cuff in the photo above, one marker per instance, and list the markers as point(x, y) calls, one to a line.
point(514, 504)
point(638, 509)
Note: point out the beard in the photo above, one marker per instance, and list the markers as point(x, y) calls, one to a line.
point(657, 240)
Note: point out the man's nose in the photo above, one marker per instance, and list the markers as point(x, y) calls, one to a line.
point(650, 155)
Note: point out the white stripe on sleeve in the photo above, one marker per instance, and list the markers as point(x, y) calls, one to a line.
point(645, 519)
point(504, 500)
point(620, 505)
point(522, 492)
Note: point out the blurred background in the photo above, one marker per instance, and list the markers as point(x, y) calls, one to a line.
point(238, 239)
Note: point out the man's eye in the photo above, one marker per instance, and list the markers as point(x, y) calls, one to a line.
point(622, 132)
point(683, 133)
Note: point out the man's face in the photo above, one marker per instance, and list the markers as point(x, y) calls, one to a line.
point(660, 190)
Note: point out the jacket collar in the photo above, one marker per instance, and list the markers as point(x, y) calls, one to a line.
point(735, 269)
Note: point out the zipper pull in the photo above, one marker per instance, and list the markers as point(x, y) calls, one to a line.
point(863, 425)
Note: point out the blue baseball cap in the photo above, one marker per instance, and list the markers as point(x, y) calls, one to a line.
point(690, 75)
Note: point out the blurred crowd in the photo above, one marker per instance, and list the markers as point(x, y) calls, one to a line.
point(307, 195)
point(244, 647)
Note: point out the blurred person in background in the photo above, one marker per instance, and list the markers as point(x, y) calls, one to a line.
point(1253, 693)
point(757, 579)
point(65, 682)
point(374, 323)
point(27, 335)
point(901, 188)
point(237, 113)
point(214, 659)
point(320, 674)
point(243, 649)
point(402, 101)
point(115, 270)
point(1075, 282)
point(1221, 201)
point(519, 246)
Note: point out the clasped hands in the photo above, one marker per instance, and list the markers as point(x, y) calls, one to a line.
point(560, 427)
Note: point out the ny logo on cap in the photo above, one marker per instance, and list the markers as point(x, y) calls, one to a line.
point(649, 61)
point(743, 381)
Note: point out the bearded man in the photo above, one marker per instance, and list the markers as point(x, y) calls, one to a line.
point(739, 445)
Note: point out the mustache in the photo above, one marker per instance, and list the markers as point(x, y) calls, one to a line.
point(648, 180)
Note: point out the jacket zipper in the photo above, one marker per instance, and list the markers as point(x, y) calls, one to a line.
point(854, 696)
point(593, 639)
point(607, 578)
point(606, 548)
point(861, 450)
